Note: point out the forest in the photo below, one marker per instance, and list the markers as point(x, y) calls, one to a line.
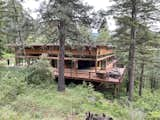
point(30, 90)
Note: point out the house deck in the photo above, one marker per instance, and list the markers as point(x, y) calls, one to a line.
point(90, 75)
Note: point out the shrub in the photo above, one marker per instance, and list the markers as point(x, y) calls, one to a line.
point(155, 115)
point(39, 73)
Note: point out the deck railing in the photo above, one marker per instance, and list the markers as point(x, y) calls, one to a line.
point(99, 76)
point(82, 74)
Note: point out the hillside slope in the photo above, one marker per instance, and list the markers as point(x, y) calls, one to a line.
point(20, 101)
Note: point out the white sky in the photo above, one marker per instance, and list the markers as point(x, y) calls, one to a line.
point(97, 4)
point(32, 5)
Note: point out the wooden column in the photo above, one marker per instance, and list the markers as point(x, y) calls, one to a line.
point(75, 67)
point(116, 89)
point(56, 70)
point(106, 64)
point(100, 63)
point(96, 64)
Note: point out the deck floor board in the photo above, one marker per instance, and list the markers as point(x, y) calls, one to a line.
point(90, 75)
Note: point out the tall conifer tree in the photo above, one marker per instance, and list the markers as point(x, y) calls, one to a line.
point(65, 16)
point(131, 14)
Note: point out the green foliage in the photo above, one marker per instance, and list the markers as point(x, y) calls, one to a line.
point(15, 24)
point(3, 24)
point(11, 84)
point(21, 101)
point(37, 39)
point(7, 55)
point(148, 102)
point(39, 73)
point(103, 37)
point(73, 14)
point(155, 115)
point(103, 33)
point(86, 35)
point(8, 113)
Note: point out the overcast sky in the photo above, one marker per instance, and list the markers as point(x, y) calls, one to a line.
point(97, 4)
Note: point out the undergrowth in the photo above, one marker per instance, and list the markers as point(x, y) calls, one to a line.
point(39, 73)
point(22, 101)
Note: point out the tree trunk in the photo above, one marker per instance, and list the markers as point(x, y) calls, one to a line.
point(127, 81)
point(141, 79)
point(61, 80)
point(152, 82)
point(131, 69)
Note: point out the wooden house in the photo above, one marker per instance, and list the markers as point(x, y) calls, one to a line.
point(89, 63)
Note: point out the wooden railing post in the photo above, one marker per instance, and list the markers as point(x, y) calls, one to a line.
point(71, 72)
point(96, 65)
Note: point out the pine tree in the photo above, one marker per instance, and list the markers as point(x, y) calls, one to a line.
point(131, 14)
point(2, 25)
point(15, 23)
point(144, 56)
point(103, 35)
point(65, 16)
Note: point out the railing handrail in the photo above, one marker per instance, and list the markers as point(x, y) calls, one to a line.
point(88, 74)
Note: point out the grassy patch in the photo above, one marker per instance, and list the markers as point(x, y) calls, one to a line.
point(20, 101)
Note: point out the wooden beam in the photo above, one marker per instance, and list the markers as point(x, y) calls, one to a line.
point(56, 58)
point(103, 58)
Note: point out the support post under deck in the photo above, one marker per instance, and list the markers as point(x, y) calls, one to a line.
point(96, 64)
point(116, 89)
point(75, 67)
